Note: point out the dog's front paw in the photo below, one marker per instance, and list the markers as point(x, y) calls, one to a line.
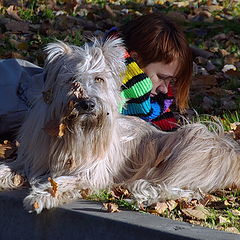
point(37, 202)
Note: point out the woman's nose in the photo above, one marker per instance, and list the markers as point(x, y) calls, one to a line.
point(163, 88)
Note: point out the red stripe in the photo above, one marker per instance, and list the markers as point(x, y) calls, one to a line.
point(166, 124)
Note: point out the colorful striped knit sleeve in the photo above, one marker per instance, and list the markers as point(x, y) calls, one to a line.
point(136, 90)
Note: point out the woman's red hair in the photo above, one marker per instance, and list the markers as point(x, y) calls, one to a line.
point(157, 39)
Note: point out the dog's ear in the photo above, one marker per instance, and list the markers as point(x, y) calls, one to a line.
point(56, 50)
point(114, 51)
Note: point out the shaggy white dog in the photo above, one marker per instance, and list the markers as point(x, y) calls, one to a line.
point(74, 138)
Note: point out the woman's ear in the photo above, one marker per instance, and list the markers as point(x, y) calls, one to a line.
point(135, 56)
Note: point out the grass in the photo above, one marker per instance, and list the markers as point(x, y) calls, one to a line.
point(36, 11)
point(222, 214)
point(106, 196)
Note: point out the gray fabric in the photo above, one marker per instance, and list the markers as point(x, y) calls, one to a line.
point(20, 83)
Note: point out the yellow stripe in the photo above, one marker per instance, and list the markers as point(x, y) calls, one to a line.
point(132, 70)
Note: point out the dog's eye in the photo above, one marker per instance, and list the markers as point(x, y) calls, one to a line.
point(99, 80)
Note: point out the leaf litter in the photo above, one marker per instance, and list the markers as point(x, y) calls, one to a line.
point(212, 29)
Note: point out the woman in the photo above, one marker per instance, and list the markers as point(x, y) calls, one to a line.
point(158, 59)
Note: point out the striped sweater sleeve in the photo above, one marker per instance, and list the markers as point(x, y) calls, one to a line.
point(136, 89)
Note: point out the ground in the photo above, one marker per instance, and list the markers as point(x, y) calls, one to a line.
point(212, 30)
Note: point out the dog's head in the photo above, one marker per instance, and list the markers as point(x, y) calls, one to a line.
point(82, 84)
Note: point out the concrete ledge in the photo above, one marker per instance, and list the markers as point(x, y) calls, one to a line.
point(87, 220)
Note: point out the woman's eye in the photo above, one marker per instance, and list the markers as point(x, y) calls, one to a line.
point(99, 80)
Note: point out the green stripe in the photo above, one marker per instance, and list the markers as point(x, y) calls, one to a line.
point(138, 89)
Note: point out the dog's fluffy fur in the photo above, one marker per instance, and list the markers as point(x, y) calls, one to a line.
point(99, 147)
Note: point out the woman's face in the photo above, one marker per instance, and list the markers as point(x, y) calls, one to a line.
point(161, 75)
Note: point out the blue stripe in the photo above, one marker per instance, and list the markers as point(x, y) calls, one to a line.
point(144, 108)
point(156, 111)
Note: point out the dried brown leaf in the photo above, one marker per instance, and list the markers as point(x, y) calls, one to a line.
point(235, 212)
point(219, 91)
point(237, 132)
point(62, 128)
point(232, 230)
point(15, 26)
point(11, 11)
point(184, 203)
point(222, 219)
point(204, 81)
point(171, 204)
point(231, 59)
point(226, 203)
point(120, 192)
point(209, 198)
point(18, 180)
point(111, 207)
point(7, 149)
point(54, 188)
point(53, 128)
point(219, 204)
point(161, 207)
point(85, 193)
point(110, 11)
point(35, 205)
point(198, 212)
point(18, 44)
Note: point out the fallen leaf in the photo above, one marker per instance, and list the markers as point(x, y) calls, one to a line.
point(161, 207)
point(235, 212)
point(185, 203)
point(237, 132)
point(85, 193)
point(209, 198)
point(111, 207)
point(62, 128)
point(223, 52)
point(15, 26)
point(234, 125)
point(120, 192)
point(35, 205)
point(231, 59)
point(54, 129)
point(232, 230)
point(219, 204)
point(78, 91)
point(176, 16)
point(7, 149)
point(220, 36)
point(198, 212)
point(201, 52)
point(18, 44)
point(226, 203)
point(219, 91)
point(222, 219)
point(54, 188)
point(204, 81)
point(228, 67)
point(13, 13)
point(18, 180)
point(171, 204)
point(110, 11)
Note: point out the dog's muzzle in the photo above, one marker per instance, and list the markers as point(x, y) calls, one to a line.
point(85, 105)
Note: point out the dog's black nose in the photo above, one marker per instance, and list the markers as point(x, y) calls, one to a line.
point(86, 105)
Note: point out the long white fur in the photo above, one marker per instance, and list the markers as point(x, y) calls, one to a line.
point(106, 148)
